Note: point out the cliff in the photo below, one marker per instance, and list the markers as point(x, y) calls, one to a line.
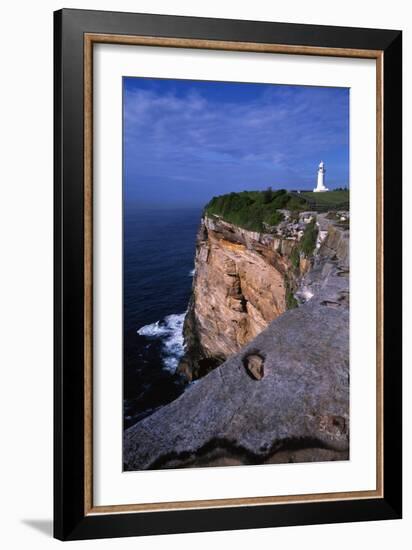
point(283, 394)
point(243, 281)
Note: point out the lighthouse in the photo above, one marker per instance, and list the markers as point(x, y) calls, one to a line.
point(320, 188)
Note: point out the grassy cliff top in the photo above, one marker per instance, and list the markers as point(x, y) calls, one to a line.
point(252, 209)
point(332, 200)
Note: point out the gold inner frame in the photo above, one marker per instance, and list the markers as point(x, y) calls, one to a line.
point(89, 40)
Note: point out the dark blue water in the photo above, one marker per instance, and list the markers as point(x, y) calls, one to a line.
point(159, 247)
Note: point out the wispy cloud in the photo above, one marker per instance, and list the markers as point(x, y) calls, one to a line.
point(192, 138)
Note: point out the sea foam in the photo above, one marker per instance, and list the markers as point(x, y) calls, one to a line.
point(170, 331)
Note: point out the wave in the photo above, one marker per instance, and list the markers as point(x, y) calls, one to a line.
point(170, 331)
point(192, 272)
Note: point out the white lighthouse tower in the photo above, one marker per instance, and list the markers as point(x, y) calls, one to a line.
point(320, 188)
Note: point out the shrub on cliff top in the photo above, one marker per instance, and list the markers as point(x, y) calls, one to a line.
point(268, 195)
point(274, 218)
point(252, 209)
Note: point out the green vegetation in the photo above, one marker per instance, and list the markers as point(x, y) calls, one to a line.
point(308, 241)
point(306, 245)
point(268, 195)
point(252, 209)
point(295, 257)
point(291, 301)
point(332, 200)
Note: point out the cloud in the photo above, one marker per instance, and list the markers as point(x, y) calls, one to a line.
point(189, 133)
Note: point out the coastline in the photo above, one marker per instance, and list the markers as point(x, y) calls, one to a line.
point(193, 429)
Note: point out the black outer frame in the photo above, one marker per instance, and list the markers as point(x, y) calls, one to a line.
point(70, 522)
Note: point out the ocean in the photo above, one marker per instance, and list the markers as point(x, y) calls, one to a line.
point(159, 248)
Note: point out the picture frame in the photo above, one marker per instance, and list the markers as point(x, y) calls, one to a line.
point(76, 32)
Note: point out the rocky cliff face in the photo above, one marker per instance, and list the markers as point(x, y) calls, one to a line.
point(240, 285)
point(284, 395)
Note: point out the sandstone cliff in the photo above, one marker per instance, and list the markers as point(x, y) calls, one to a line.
point(241, 284)
point(284, 395)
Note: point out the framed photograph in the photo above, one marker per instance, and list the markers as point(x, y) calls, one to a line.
point(227, 274)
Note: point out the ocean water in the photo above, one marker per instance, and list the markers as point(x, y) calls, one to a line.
point(159, 247)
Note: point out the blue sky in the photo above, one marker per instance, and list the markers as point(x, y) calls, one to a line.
point(186, 141)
